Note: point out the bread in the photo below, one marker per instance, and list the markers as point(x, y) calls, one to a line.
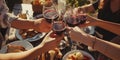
point(15, 48)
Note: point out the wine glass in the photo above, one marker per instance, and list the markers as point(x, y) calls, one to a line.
point(63, 44)
point(82, 18)
point(50, 12)
point(73, 19)
point(58, 26)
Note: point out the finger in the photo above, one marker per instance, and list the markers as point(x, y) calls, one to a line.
point(68, 28)
point(88, 23)
point(84, 25)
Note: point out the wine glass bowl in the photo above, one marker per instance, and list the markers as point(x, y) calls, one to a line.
point(59, 26)
point(82, 19)
point(50, 13)
point(74, 19)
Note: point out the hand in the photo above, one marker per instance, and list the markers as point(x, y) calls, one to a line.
point(51, 43)
point(79, 10)
point(90, 21)
point(41, 25)
point(77, 34)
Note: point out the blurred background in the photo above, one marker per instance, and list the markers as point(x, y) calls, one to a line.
point(76, 3)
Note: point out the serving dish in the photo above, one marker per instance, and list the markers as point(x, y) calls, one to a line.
point(27, 45)
point(34, 38)
point(83, 52)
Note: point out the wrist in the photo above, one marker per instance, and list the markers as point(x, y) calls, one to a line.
point(41, 47)
point(96, 22)
point(93, 41)
point(36, 23)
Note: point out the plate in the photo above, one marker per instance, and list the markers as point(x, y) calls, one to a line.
point(23, 43)
point(34, 38)
point(89, 29)
point(83, 52)
point(38, 16)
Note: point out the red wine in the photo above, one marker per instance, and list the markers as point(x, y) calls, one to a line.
point(53, 35)
point(82, 19)
point(72, 21)
point(50, 14)
point(75, 21)
point(59, 27)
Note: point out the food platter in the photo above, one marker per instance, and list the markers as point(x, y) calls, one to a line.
point(23, 43)
point(83, 52)
point(33, 38)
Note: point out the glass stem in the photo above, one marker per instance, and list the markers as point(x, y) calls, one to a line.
point(69, 39)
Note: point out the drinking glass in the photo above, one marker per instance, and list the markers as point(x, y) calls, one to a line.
point(63, 44)
point(73, 19)
point(50, 12)
point(58, 26)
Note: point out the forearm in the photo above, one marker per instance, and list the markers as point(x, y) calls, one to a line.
point(27, 55)
point(112, 27)
point(23, 24)
point(82, 38)
point(107, 48)
point(88, 8)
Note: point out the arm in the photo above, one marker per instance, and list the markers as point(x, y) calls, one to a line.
point(90, 8)
point(7, 19)
point(113, 27)
point(85, 9)
point(110, 26)
point(46, 45)
point(40, 25)
point(107, 48)
point(23, 24)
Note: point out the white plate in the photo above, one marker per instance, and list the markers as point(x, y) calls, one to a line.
point(23, 43)
point(83, 52)
point(89, 29)
point(34, 38)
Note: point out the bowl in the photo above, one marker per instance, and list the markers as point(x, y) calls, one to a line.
point(31, 39)
point(73, 51)
point(27, 45)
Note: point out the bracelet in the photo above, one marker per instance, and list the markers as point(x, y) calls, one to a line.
point(93, 43)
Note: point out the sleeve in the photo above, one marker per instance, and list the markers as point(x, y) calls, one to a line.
point(96, 4)
point(5, 17)
point(8, 18)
